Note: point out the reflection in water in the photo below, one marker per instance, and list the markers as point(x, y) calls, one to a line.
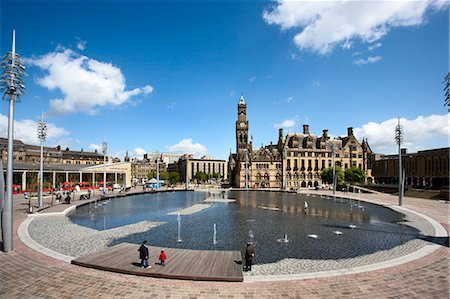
point(324, 232)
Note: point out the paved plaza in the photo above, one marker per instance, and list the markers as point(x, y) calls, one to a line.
point(26, 273)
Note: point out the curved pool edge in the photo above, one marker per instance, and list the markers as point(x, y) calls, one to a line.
point(25, 238)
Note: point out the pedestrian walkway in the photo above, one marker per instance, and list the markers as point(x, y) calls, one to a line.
point(25, 273)
point(206, 265)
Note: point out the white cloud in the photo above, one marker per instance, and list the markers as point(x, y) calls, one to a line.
point(26, 130)
point(186, 146)
point(81, 44)
point(373, 47)
point(316, 83)
point(325, 24)
point(370, 59)
point(139, 152)
point(171, 105)
point(295, 56)
point(97, 147)
point(288, 123)
point(86, 84)
point(289, 99)
point(423, 132)
point(252, 79)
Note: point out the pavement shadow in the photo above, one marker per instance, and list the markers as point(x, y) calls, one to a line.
point(443, 241)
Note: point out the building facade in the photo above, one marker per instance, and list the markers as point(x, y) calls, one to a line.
point(188, 166)
point(26, 153)
point(424, 169)
point(60, 166)
point(296, 160)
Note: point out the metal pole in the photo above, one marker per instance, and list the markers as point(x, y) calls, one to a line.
point(400, 174)
point(7, 219)
point(334, 168)
point(398, 140)
point(246, 169)
point(105, 148)
point(157, 170)
point(284, 168)
point(42, 134)
point(187, 162)
point(41, 177)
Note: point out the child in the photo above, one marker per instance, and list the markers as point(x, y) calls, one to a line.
point(162, 258)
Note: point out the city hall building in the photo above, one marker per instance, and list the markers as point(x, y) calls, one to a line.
point(296, 160)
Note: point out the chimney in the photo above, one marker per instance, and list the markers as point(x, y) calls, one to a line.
point(280, 133)
point(325, 134)
point(305, 129)
point(349, 131)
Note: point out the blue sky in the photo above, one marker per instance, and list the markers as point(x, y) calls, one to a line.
point(167, 76)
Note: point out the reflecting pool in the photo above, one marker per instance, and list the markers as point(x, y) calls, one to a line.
point(276, 222)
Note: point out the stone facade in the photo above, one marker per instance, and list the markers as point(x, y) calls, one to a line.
point(296, 160)
point(27, 153)
point(424, 169)
point(188, 165)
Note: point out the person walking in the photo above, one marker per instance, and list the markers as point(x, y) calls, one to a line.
point(162, 258)
point(143, 255)
point(249, 255)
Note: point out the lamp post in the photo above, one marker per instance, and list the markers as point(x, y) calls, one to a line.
point(333, 148)
point(246, 169)
point(187, 163)
point(42, 135)
point(104, 150)
point(398, 140)
point(284, 168)
point(11, 84)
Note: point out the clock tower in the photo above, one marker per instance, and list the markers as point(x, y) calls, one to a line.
point(241, 127)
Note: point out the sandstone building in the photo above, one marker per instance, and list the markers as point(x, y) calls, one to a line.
point(296, 160)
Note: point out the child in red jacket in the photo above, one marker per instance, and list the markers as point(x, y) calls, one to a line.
point(162, 257)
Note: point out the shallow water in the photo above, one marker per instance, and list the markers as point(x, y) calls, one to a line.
point(263, 217)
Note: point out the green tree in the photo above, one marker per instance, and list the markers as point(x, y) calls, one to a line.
point(200, 176)
point(151, 175)
point(355, 175)
point(174, 177)
point(327, 175)
point(164, 175)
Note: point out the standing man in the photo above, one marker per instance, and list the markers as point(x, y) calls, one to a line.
point(143, 255)
point(249, 255)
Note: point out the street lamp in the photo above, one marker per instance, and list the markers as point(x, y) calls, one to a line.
point(104, 150)
point(11, 84)
point(398, 140)
point(42, 135)
point(333, 148)
point(187, 163)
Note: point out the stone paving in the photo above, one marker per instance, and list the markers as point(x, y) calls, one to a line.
point(25, 273)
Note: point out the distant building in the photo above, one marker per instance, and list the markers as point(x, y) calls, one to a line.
point(61, 166)
point(141, 168)
point(27, 153)
point(188, 165)
point(424, 169)
point(167, 158)
point(296, 160)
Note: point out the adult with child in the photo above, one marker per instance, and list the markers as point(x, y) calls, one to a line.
point(144, 255)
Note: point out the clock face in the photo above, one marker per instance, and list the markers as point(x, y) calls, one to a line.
point(242, 125)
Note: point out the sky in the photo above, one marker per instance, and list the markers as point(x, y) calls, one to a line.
point(167, 76)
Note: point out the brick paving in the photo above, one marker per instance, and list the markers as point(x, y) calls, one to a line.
point(25, 273)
